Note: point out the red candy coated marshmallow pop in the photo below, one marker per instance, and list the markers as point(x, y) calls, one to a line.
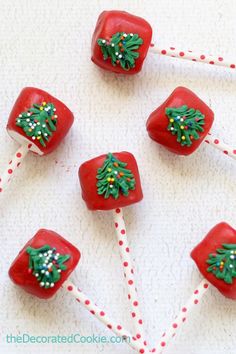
point(111, 182)
point(121, 41)
point(38, 122)
point(43, 266)
point(183, 122)
point(215, 257)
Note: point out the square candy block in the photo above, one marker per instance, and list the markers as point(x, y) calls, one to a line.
point(59, 258)
point(39, 119)
point(120, 42)
point(110, 181)
point(215, 257)
point(181, 123)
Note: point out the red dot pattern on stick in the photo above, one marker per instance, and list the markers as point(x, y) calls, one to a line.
point(70, 288)
point(218, 60)
point(180, 319)
point(128, 269)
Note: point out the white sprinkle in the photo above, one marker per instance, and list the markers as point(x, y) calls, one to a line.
point(47, 283)
point(111, 186)
point(59, 270)
point(18, 120)
point(42, 271)
point(58, 254)
point(20, 115)
point(120, 56)
point(42, 283)
point(28, 114)
point(45, 254)
point(181, 120)
point(40, 255)
point(231, 266)
point(52, 285)
point(131, 34)
point(54, 109)
point(116, 53)
point(27, 120)
point(44, 126)
point(45, 134)
point(33, 137)
point(115, 172)
point(231, 257)
point(171, 128)
point(36, 274)
point(232, 252)
point(112, 44)
point(46, 261)
point(125, 34)
point(55, 116)
point(103, 41)
point(39, 133)
point(38, 123)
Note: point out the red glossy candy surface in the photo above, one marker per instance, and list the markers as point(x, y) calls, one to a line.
point(220, 234)
point(87, 175)
point(19, 270)
point(157, 122)
point(111, 22)
point(24, 102)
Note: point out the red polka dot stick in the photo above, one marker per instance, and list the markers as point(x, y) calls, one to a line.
point(38, 122)
point(44, 265)
point(111, 182)
point(215, 257)
point(103, 317)
point(121, 42)
point(193, 56)
point(128, 272)
point(13, 165)
point(220, 145)
point(183, 122)
point(182, 316)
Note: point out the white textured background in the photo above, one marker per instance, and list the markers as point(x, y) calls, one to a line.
point(47, 44)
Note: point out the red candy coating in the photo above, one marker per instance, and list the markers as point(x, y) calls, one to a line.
point(25, 100)
point(220, 234)
point(19, 270)
point(88, 181)
point(157, 122)
point(111, 22)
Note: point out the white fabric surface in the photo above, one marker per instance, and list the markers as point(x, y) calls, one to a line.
point(47, 44)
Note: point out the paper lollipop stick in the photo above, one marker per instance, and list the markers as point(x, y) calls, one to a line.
point(38, 122)
point(42, 268)
point(181, 318)
point(102, 316)
point(218, 144)
point(13, 165)
point(111, 182)
point(128, 272)
point(183, 122)
point(194, 56)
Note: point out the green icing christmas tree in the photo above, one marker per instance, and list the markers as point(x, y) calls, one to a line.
point(39, 122)
point(223, 264)
point(121, 49)
point(185, 123)
point(114, 178)
point(46, 265)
